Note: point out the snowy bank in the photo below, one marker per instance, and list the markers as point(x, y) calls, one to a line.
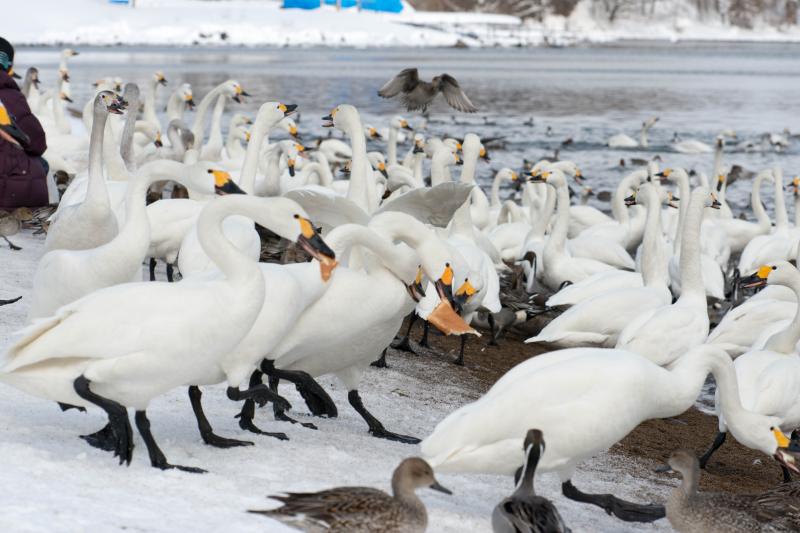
point(250, 23)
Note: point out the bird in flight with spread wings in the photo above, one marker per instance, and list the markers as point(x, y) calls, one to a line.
point(418, 94)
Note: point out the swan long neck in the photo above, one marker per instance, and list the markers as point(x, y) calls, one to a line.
point(682, 179)
point(258, 135)
point(391, 148)
point(362, 184)
point(150, 104)
point(235, 264)
point(115, 165)
point(718, 163)
point(126, 140)
point(96, 190)
point(781, 218)
point(687, 375)
point(494, 198)
point(215, 133)
point(462, 221)
point(643, 135)
point(755, 201)
point(198, 126)
point(691, 273)
point(175, 106)
point(558, 236)
point(618, 208)
point(396, 259)
point(439, 167)
point(653, 271)
point(470, 158)
point(784, 341)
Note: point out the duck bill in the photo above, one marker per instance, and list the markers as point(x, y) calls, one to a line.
point(327, 121)
point(446, 320)
point(789, 458)
point(319, 250)
point(438, 487)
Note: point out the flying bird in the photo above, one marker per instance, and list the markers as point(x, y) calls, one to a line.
point(418, 94)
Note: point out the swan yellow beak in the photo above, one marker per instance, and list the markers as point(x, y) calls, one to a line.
point(786, 454)
point(223, 184)
point(464, 292)
point(415, 289)
point(310, 241)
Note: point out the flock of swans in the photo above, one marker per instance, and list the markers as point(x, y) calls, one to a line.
point(627, 295)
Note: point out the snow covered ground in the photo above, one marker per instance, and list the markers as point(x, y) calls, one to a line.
point(249, 23)
point(53, 481)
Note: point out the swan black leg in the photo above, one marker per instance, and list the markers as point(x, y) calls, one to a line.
point(404, 344)
point(380, 363)
point(153, 269)
point(206, 431)
point(279, 412)
point(117, 419)
point(424, 340)
point(375, 426)
point(627, 511)
point(170, 273)
point(494, 331)
point(317, 400)
point(460, 360)
point(157, 458)
point(719, 440)
point(257, 393)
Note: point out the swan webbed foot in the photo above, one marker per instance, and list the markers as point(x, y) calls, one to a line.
point(67, 407)
point(157, 458)
point(376, 429)
point(719, 440)
point(103, 439)
point(624, 510)
point(117, 419)
point(261, 394)
point(247, 424)
point(11, 245)
point(206, 431)
point(381, 361)
point(317, 400)
point(279, 413)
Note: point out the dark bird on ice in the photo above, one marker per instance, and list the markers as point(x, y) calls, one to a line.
point(418, 94)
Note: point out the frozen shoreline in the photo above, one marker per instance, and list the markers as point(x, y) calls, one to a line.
point(242, 23)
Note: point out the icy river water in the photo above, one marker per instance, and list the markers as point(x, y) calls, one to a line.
point(583, 93)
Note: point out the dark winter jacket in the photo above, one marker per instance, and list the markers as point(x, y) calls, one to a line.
point(22, 175)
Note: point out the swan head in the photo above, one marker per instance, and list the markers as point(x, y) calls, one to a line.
point(759, 432)
point(419, 144)
point(293, 151)
point(186, 95)
point(64, 96)
point(233, 89)
point(399, 123)
point(109, 102)
point(454, 144)
point(371, 132)
point(778, 273)
point(342, 117)
point(551, 176)
point(444, 316)
point(159, 79)
point(794, 186)
point(223, 183)
point(66, 53)
point(289, 126)
point(270, 114)
point(311, 242)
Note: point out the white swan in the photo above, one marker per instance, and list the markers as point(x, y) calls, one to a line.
point(92, 222)
point(621, 140)
point(664, 334)
point(558, 267)
point(395, 125)
point(149, 112)
point(229, 88)
point(179, 101)
point(93, 353)
point(769, 377)
point(741, 232)
point(598, 321)
point(586, 400)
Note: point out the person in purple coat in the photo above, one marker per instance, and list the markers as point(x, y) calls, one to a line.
point(23, 172)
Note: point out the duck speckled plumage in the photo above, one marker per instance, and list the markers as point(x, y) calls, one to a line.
point(362, 509)
point(689, 511)
point(524, 511)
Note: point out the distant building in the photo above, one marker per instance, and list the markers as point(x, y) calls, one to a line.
point(387, 6)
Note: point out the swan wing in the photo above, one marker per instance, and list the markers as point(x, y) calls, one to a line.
point(434, 205)
point(404, 82)
point(324, 206)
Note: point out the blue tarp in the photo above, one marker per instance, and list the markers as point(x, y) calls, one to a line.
point(301, 4)
point(390, 6)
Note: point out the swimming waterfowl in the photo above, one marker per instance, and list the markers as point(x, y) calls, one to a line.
point(418, 94)
point(524, 511)
point(621, 140)
point(362, 509)
point(691, 511)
